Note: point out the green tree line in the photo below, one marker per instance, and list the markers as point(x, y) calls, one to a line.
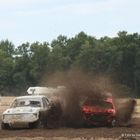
point(24, 65)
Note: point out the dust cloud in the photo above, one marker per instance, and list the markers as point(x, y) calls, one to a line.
point(79, 86)
point(124, 112)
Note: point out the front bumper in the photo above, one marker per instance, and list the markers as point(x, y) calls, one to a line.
point(98, 118)
point(20, 118)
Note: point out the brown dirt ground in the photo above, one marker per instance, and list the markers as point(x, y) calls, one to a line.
point(86, 133)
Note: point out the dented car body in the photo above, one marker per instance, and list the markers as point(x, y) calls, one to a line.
point(26, 111)
point(99, 112)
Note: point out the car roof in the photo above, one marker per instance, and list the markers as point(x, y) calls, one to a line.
point(31, 97)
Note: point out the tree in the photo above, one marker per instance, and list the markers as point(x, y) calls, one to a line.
point(40, 59)
point(6, 65)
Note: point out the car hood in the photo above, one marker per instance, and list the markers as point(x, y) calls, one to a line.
point(18, 110)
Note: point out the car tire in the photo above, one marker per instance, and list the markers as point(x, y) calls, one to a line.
point(39, 124)
point(42, 121)
point(85, 124)
point(5, 126)
point(113, 123)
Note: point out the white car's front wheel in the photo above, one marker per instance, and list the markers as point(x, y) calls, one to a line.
point(5, 126)
point(38, 124)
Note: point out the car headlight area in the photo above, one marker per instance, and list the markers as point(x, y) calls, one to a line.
point(13, 118)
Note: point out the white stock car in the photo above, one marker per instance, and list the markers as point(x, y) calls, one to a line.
point(26, 111)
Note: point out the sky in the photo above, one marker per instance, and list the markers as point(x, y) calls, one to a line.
point(44, 20)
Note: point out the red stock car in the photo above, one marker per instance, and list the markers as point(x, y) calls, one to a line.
point(99, 112)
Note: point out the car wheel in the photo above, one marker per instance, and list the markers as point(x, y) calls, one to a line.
point(85, 124)
point(113, 123)
point(5, 126)
point(39, 124)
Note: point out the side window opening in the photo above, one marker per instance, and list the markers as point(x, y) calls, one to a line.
point(44, 103)
point(47, 101)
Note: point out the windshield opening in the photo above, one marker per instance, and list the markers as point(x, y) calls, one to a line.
point(26, 102)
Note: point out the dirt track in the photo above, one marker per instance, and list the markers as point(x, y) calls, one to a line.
point(72, 133)
point(97, 133)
